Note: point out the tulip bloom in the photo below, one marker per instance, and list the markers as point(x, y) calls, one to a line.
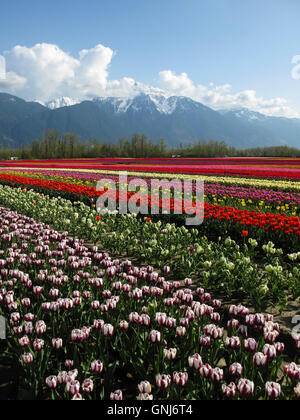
point(273, 390)
point(134, 317)
point(72, 375)
point(96, 366)
point(170, 322)
point(270, 336)
point(205, 341)
point(154, 336)
point(160, 318)
point(181, 331)
point(205, 370)
point(73, 387)
point(279, 347)
point(29, 317)
point(24, 341)
point(26, 302)
point(51, 382)
point(180, 378)
point(57, 343)
point(236, 370)
point(217, 374)
point(27, 358)
point(229, 390)
point(163, 381)
point(234, 323)
point(245, 387)
point(250, 345)
point(233, 342)
point(77, 336)
point(213, 331)
point(188, 282)
point(87, 385)
point(170, 354)
point(18, 330)
point(40, 327)
point(69, 364)
point(62, 377)
point(195, 361)
point(166, 270)
point(144, 387)
point(293, 371)
point(116, 395)
point(107, 330)
point(15, 317)
point(270, 351)
point(145, 320)
point(260, 359)
point(37, 290)
point(123, 325)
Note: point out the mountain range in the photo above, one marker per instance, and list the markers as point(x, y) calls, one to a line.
point(177, 119)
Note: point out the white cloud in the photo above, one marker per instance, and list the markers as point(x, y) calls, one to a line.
point(91, 75)
point(177, 84)
point(45, 72)
point(221, 97)
point(12, 82)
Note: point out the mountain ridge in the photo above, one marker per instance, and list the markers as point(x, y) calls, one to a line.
point(177, 119)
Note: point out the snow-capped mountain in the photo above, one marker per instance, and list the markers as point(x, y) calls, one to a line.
point(152, 102)
point(245, 114)
point(61, 102)
point(177, 119)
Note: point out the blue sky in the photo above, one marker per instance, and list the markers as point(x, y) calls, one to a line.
point(243, 47)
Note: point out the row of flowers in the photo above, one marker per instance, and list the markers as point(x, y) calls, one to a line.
point(79, 321)
point(278, 162)
point(285, 229)
point(260, 273)
point(252, 195)
point(89, 174)
point(268, 169)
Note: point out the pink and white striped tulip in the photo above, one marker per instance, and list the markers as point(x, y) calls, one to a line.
point(96, 366)
point(154, 336)
point(245, 387)
point(260, 359)
point(51, 382)
point(87, 385)
point(229, 390)
point(236, 370)
point(170, 354)
point(116, 395)
point(163, 381)
point(273, 390)
point(144, 387)
point(195, 361)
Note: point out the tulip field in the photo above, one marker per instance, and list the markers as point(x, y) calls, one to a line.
point(117, 306)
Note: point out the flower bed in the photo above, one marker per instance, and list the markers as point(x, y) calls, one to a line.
point(262, 273)
point(79, 322)
point(149, 320)
point(282, 229)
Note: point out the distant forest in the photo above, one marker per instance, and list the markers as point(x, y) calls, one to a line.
point(56, 146)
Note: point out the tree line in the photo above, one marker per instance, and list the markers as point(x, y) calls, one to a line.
point(67, 146)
